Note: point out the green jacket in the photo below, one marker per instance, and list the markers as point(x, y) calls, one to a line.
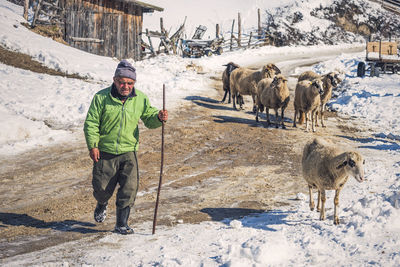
point(112, 126)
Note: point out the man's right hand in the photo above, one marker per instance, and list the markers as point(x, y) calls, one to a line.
point(95, 154)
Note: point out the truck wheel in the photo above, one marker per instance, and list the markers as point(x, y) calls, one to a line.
point(361, 69)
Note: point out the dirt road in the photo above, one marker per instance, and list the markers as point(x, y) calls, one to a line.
point(219, 163)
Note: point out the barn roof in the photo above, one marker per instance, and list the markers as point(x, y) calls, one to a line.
point(147, 8)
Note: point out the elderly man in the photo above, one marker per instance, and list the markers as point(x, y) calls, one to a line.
point(112, 137)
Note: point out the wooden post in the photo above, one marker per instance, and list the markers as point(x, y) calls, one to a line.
point(26, 8)
point(163, 32)
point(233, 25)
point(150, 43)
point(259, 24)
point(239, 31)
point(217, 31)
point(251, 34)
point(35, 16)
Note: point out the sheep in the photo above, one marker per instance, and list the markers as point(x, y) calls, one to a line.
point(225, 80)
point(328, 167)
point(307, 99)
point(329, 81)
point(243, 81)
point(264, 83)
point(274, 94)
point(308, 75)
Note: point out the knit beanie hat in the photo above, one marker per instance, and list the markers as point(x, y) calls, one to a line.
point(125, 70)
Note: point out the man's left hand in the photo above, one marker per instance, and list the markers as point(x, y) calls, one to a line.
point(163, 115)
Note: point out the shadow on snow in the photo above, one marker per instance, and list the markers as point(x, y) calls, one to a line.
point(251, 218)
point(384, 144)
point(15, 219)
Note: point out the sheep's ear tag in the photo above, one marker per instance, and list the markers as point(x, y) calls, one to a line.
point(342, 165)
point(310, 83)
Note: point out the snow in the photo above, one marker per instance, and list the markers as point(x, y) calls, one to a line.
point(41, 110)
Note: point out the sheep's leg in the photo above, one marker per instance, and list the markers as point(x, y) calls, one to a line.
point(322, 115)
point(233, 101)
point(254, 103)
point(323, 199)
point(306, 115)
point(276, 118)
point(295, 117)
point(336, 202)
point(241, 101)
point(313, 117)
point(229, 96)
point(319, 201)
point(257, 115)
point(225, 94)
point(316, 118)
point(301, 117)
point(282, 120)
point(312, 205)
point(267, 112)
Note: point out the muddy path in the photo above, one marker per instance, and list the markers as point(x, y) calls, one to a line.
point(219, 163)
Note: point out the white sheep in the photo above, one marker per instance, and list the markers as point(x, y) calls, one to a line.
point(308, 75)
point(329, 81)
point(243, 81)
point(307, 99)
point(273, 93)
point(225, 80)
point(328, 167)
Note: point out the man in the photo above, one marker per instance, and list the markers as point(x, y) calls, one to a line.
point(112, 137)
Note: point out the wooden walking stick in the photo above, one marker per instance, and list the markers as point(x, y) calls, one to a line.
point(162, 164)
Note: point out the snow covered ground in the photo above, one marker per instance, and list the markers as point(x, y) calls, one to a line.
point(40, 110)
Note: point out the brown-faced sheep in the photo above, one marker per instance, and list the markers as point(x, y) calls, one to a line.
point(307, 99)
point(225, 80)
point(243, 81)
point(275, 95)
point(327, 167)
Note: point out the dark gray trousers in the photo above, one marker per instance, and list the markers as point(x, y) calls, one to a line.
point(111, 170)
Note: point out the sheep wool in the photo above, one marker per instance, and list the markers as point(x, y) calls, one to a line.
point(327, 166)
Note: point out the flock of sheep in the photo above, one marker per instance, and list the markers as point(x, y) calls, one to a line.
point(325, 165)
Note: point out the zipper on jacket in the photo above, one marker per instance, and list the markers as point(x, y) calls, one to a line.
point(120, 128)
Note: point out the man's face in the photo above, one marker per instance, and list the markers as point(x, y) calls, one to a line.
point(124, 85)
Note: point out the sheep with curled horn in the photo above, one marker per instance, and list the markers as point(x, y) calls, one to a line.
point(225, 80)
point(275, 95)
point(326, 166)
point(307, 99)
point(243, 81)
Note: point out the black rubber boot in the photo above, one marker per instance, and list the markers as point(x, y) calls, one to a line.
point(122, 221)
point(100, 212)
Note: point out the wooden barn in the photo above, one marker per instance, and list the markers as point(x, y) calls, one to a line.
point(111, 28)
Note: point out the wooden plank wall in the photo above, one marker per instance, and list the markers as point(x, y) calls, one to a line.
point(117, 24)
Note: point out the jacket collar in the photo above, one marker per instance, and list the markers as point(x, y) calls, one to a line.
point(115, 94)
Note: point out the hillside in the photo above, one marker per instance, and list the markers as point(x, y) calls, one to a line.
point(330, 22)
